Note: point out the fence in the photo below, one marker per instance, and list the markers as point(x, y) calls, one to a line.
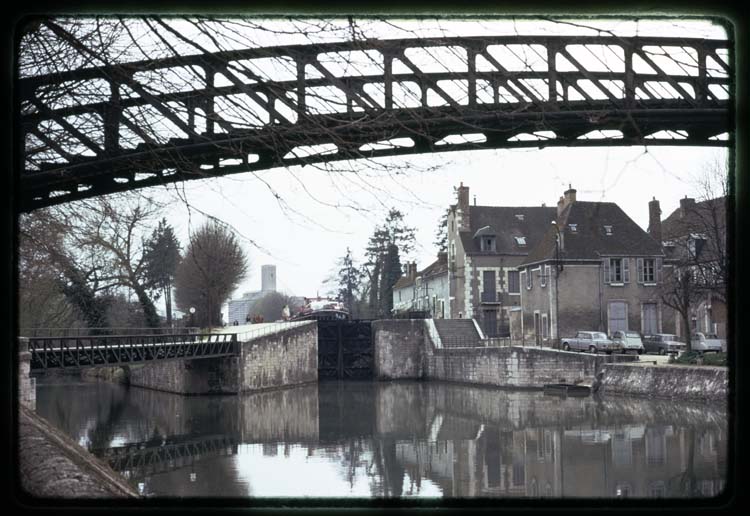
point(91, 332)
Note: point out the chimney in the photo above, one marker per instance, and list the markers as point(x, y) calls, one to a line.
point(442, 257)
point(654, 220)
point(411, 270)
point(463, 208)
point(685, 205)
point(569, 198)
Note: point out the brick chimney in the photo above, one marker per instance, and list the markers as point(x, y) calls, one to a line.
point(411, 270)
point(569, 197)
point(560, 205)
point(654, 220)
point(685, 205)
point(463, 208)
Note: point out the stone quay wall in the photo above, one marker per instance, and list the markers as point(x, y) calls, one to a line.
point(399, 349)
point(51, 465)
point(280, 359)
point(404, 350)
point(703, 383)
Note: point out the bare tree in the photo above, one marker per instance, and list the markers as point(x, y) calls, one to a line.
point(696, 265)
point(212, 268)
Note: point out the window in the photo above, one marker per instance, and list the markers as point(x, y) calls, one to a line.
point(607, 230)
point(573, 228)
point(616, 270)
point(514, 283)
point(521, 241)
point(519, 216)
point(646, 270)
point(545, 326)
point(529, 281)
point(487, 243)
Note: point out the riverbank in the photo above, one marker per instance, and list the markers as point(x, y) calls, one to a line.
point(53, 466)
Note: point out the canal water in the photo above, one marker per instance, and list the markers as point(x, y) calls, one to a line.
point(391, 440)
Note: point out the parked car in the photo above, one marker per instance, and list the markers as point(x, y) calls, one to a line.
point(591, 341)
point(629, 340)
point(707, 342)
point(663, 343)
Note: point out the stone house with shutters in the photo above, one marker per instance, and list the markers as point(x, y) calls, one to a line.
point(486, 244)
point(593, 269)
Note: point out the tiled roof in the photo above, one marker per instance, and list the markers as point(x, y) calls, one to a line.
point(697, 219)
point(506, 225)
point(590, 240)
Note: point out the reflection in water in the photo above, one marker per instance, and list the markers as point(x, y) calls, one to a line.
point(402, 439)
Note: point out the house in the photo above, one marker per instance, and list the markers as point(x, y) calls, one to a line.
point(694, 237)
point(593, 269)
point(486, 244)
point(425, 290)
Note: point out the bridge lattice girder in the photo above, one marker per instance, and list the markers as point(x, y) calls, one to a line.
point(76, 145)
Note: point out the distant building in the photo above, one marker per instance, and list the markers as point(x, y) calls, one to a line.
point(238, 309)
point(423, 291)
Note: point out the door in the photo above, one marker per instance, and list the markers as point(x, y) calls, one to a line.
point(489, 287)
point(490, 323)
point(618, 316)
point(537, 329)
point(650, 321)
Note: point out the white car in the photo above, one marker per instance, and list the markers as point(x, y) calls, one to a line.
point(707, 342)
point(630, 341)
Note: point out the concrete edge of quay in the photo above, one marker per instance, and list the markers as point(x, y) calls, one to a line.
point(53, 466)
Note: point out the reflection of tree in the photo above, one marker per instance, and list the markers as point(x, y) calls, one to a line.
point(102, 433)
point(685, 484)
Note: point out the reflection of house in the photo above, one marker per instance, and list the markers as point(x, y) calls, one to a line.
point(610, 270)
point(425, 290)
point(648, 461)
point(694, 235)
point(485, 246)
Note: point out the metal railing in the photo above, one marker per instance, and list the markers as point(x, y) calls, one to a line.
point(86, 332)
point(475, 342)
point(109, 350)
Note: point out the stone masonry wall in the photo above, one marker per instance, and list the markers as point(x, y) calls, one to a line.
point(197, 376)
point(703, 383)
point(398, 348)
point(516, 367)
point(26, 384)
point(280, 359)
point(404, 350)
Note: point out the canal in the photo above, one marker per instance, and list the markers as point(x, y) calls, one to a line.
point(395, 439)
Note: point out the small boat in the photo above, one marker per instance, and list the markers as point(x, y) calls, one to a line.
point(567, 389)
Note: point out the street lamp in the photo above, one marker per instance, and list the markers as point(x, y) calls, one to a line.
point(192, 317)
point(558, 269)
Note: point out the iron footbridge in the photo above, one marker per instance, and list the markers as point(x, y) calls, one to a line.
point(115, 127)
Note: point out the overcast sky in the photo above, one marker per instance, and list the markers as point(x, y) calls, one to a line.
point(319, 214)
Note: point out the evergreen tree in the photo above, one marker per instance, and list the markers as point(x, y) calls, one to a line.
point(161, 257)
point(391, 274)
point(349, 283)
point(393, 232)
